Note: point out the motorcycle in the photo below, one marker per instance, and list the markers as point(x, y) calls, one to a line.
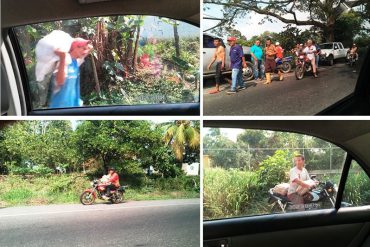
point(351, 59)
point(97, 190)
point(284, 64)
point(323, 196)
point(303, 65)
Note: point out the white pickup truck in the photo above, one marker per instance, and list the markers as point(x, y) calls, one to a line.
point(208, 52)
point(332, 51)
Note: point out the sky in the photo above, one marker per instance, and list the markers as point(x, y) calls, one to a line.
point(154, 27)
point(249, 25)
point(232, 134)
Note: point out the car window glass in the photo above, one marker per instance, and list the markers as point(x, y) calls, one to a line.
point(357, 188)
point(248, 172)
point(129, 60)
point(208, 42)
point(321, 78)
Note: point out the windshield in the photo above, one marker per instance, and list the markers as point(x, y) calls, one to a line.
point(326, 46)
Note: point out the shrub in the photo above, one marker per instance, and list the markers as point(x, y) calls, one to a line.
point(274, 169)
point(228, 193)
point(357, 190)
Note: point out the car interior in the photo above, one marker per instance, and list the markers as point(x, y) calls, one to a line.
point(15, 92)
point(357, 103)
point(339, 226)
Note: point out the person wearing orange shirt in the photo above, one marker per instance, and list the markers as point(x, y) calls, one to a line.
point(113, 182)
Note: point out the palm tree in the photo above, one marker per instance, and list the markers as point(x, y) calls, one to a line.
point(181, 134)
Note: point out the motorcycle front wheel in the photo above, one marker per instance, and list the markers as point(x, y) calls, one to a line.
point(87, 198)
point(276, 209)
point(299, 72)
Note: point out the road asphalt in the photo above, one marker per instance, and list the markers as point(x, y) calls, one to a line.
point(142, 223)
point(288, 97)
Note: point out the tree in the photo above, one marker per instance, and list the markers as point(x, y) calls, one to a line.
point(181, 134)
point(321, 14)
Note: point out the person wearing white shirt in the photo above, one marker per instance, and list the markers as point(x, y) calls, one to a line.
point(298, 175)
point(311, 51)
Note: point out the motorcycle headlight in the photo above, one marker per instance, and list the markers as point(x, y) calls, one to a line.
point(301, 57)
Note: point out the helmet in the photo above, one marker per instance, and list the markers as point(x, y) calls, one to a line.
point(277, 43)
point(111, 169)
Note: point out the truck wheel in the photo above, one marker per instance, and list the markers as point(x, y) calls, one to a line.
point(248, 74)
point(331, 60)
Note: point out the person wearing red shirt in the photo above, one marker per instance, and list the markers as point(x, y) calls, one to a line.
point(279, 56)
point(113, 182)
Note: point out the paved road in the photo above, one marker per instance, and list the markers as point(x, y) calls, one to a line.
point(289, 97)
point(144, 223)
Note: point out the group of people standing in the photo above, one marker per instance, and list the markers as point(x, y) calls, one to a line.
point(264, 59)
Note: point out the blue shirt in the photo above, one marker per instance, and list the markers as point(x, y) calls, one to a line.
point(236, 54)
point(257, 51)
point(68, 95)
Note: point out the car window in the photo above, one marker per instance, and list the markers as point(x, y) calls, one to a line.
point(208, 42)
point(314, 81)
point(128, 60)
point(357, 188)
point(249, 172)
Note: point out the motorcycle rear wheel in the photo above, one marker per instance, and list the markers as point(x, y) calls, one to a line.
point(87, 198)
point(118, 197)
point(286, 67)
point(299, 72)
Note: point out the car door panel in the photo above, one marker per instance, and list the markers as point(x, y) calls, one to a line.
point(349, 225)
point(185, 109)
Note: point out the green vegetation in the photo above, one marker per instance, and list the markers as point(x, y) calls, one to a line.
point(37, 150)
point(36, 190)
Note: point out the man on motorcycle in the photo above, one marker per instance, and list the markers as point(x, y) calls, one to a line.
point(298, 175)
point(352, 52)
point(310, 50)
point(113, 182)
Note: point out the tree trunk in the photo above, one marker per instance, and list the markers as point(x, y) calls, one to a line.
point(96, 79)
point(128, 64)
point(177, 43)
point(136, 48)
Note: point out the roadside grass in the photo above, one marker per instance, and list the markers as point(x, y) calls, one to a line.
point(66, 189)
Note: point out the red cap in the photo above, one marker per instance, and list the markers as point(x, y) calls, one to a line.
point(79, 42)
point(232, 38)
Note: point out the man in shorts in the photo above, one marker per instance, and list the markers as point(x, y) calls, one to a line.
point(310, 51)
point(270, 63)
point(219, 58)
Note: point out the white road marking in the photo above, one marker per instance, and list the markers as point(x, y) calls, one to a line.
point(97, 209)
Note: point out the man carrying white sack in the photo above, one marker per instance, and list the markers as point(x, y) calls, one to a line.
point(66, 80)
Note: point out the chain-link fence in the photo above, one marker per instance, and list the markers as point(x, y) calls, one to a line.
point(318, 160)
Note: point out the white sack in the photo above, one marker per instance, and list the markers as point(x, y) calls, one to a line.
point(45, 55)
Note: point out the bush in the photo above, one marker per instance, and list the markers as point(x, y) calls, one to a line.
point(357, 190)
point(274, 169)
point(228, 193)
